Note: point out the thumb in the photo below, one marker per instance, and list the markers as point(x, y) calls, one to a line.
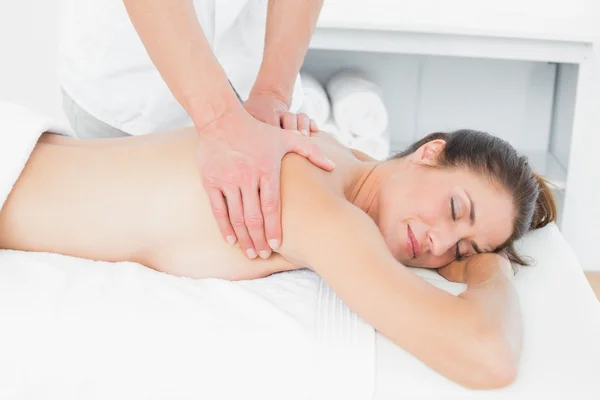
point(308, 149)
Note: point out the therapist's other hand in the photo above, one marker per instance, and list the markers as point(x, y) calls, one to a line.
point(270, 109)
point(240, 159)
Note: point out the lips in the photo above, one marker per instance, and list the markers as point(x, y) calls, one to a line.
point(413, 244)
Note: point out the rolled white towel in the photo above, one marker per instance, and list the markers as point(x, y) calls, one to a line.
point(376, 147)
point(357, 104)
point(330, 127)
point(316, 104)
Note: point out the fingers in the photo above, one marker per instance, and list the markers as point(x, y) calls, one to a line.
point(219, 209)
point(272, 119)
point(289, 121)
point(271, 208)
point(253, 216)
point(303, 123)
point(298, 122)
point(311, 151)
point(238, 222)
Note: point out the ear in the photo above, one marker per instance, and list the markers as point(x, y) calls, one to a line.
point(429, 153)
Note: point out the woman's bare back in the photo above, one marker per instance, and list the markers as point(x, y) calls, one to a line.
point(136, 199)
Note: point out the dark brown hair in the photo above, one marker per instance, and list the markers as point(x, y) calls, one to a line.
point(495, 158)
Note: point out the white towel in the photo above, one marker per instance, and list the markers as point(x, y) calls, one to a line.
point(20, 130)
point(358, 107)
point(343, 137)
point(377, 147)
point(79, 329)
point(316, 104)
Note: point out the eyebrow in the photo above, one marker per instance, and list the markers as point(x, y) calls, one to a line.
point(472, 209)
point(472, 218)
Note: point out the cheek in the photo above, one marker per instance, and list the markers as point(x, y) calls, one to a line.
point(390, 231)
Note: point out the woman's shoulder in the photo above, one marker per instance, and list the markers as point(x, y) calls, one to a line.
point(295, 166)
point(311, 198)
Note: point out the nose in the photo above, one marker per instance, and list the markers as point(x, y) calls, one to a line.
point(442, 239)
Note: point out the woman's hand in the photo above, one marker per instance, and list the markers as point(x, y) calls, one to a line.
point(268, 108)
point(477, 268)
point(239, 159)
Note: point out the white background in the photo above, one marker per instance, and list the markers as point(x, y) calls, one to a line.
point(28, 33)
point(28, 47)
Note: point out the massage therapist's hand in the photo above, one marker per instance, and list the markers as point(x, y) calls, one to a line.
point(240, 159)
point(268, 108)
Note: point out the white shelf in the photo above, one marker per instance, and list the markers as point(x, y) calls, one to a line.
point(543, 163)
point(554, 20)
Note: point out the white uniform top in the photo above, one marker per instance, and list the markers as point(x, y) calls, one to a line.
point(105, 69)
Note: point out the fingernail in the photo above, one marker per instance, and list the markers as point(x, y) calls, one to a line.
point(231, 240)
point(251, 253)
point(304, 132)
point(264, 254)
point(274, 243)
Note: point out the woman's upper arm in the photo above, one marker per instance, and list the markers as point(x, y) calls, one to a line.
point(344, 246)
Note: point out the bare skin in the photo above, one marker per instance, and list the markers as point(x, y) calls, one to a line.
point(137, 199)
point(140, 199)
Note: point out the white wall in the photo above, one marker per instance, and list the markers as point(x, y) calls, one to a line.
point(28, 47)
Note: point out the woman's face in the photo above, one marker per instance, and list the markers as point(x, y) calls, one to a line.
point(428, 216)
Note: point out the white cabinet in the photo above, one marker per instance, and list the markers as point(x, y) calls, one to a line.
point(424, 94)
point(522, 70)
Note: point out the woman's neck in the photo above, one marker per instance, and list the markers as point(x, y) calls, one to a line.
point(365, 188)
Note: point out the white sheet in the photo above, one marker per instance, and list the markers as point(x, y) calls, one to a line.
point(561, 348)
point(77, 329)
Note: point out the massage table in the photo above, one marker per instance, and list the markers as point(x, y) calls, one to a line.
point(79, 329)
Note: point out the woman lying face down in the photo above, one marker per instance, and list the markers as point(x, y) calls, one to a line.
point(448, 197)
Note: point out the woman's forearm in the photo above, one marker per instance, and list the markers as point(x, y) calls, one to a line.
point(178, 48)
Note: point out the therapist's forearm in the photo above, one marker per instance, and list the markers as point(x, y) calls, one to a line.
point(178, 48)
point(290, 24)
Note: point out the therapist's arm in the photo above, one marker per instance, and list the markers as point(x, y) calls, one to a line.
point(178, 48)
point(472, 339)
point(238, 156)
point(290, 25)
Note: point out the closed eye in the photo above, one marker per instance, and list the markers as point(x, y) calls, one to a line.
point(458, 256)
